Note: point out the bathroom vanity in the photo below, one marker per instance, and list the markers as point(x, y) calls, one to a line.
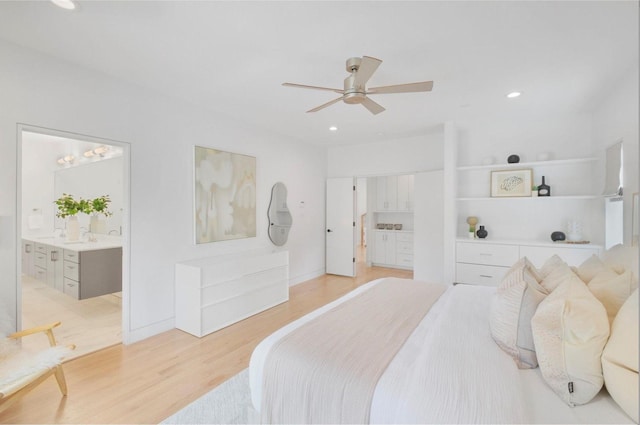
point(79, 269)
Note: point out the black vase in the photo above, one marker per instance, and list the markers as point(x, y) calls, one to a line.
point(482, 233)
point(558, 236)
point(513, 159)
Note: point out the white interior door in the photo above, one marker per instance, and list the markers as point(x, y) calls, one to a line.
point(341, 230)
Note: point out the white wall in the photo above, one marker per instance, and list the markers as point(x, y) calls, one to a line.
point(42, 91)
point(402, 156)
point(616, 118)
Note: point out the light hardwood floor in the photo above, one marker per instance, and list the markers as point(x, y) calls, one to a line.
point(90, 324)
point(152, 379)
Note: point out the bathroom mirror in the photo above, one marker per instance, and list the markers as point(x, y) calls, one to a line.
point(280, 219)
point(613, 170)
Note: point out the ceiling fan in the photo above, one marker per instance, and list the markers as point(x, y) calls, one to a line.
point(355, 90)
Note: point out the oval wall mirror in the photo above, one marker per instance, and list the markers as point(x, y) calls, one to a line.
point(280, 219)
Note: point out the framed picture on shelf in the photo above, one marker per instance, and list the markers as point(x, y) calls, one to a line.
point(511, 183)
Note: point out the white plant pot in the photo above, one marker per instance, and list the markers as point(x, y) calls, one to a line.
point(73, 228)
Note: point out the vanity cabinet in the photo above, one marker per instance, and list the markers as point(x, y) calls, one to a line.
point(54, 267)
point(88, 274)
point(480, 262)
point(28, 258)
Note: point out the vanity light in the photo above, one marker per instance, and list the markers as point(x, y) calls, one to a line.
point(88, 154)
point(513, 94)
point(101, 150)
point(65, 4)
point(69, 158)
point(61, 161)
point(333, 128)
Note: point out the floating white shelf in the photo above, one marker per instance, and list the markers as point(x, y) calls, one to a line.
point(527, 164)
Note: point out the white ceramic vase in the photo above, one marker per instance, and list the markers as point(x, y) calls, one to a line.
point(73, 228)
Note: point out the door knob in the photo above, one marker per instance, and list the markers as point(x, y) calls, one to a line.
point(328, 230)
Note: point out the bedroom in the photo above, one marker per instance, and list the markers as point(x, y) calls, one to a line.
point(43, 84)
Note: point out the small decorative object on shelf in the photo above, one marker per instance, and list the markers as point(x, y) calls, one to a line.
point(574, 231)
point(472, 221)
point(397, 227)
point(558, 236)
point(513, 159)
point(544, 189)
point(534, 191)
point(482, 233)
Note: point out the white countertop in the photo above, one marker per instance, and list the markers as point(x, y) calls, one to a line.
point(562, 244)
point(102, 242)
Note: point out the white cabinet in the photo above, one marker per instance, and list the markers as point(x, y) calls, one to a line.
point(393, 249)
point(213, 293)
point(385, 248)
point(394, 193)
point(405, 192)
point(485, 263)
point(28, 258)
point(387, 193)
point(55, 267)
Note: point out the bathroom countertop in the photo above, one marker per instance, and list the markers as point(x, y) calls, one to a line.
point(102, 242)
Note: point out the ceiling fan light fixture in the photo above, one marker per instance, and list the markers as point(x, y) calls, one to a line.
point(65, 4)
point(513, 94)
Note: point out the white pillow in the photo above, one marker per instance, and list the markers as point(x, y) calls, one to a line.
point(612, 290)
point(555, 276)
point(550, 265)
point(620, 358)
point(512, 308)
point(589, 268)
point(570, 330)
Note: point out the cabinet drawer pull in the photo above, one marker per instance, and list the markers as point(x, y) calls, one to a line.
point(486, 275)
point(486, 254)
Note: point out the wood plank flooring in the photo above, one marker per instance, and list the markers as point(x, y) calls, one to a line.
point(152, 379)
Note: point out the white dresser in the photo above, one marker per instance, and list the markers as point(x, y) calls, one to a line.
point(215, 292)
point(482, 262)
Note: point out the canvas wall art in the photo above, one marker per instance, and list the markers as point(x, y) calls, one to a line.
point(225, 195)
point(510, 183)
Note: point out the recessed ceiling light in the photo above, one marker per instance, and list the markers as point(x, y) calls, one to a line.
point(65, 4)
point(513, 94)
point(333, 128)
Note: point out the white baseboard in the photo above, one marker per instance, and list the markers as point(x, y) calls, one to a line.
point(304, 277)
point(147, 331)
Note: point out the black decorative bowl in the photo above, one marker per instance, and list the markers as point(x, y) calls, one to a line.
point(513, 159)
point(558, 236)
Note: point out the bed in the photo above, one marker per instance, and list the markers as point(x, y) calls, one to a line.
point(448, 370)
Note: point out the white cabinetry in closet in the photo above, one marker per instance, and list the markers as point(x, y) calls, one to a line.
point(393, 249)
point(215, 292)
point(387, 193)
point(405, 192)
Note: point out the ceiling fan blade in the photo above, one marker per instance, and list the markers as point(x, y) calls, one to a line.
point(324, 105)
point(402, 88)
point(366, 69)
point(372, 106)
point(302, 86)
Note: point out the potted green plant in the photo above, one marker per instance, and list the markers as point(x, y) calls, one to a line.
point(68, 208)
point(99, 206)
point(534, 191)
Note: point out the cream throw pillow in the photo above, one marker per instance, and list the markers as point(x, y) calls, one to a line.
point(512, 308)
point(620, 358)
point(589, 268)
point(612, 289)
point(556, 275)
point(570, 330)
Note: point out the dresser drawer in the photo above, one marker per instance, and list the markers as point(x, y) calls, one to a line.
point(404, 237)
point(489, 254)
point(404, 260)
point(404, 247)
point(477, 274)
point(71, 270)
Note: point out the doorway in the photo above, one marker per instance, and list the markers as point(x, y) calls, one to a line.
point(77, 277)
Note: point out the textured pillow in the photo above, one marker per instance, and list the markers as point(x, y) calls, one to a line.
point(589, 268)
point(620, 358)
point(512, 308)
point(570, 330)
point(558, 274)
point(612, 290)
point(550, 265)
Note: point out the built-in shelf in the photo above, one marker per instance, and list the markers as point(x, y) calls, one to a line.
point(488, 198)
point(528, 164)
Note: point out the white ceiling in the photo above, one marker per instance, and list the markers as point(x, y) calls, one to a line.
point(231, 57)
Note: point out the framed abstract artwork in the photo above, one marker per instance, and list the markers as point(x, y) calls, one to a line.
point(508, 183)
point(224, 195)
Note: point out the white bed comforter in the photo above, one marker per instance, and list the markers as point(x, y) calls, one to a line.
point(451, 371)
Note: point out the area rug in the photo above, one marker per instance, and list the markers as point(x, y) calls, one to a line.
point(228, 403)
